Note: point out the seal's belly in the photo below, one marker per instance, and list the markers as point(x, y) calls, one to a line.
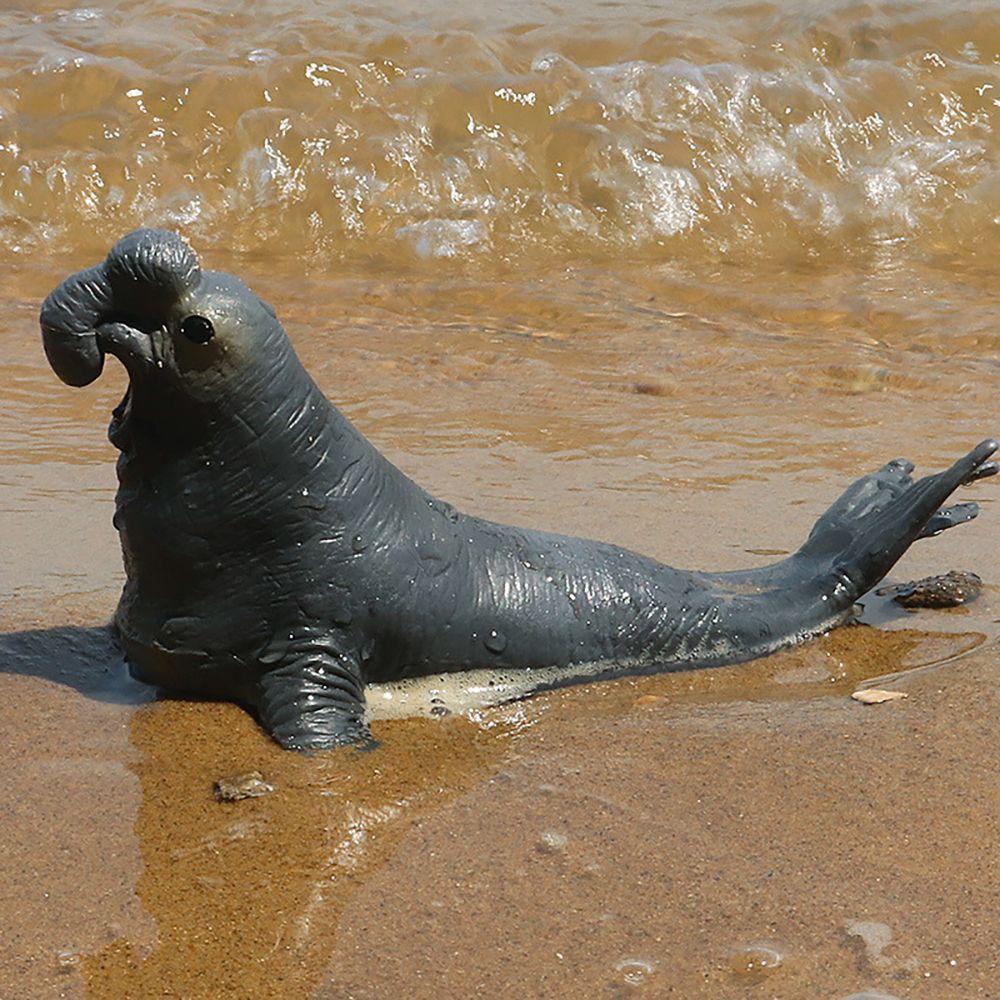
point(465, 692)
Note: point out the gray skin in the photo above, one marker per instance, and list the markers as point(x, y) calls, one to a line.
point(275, 558)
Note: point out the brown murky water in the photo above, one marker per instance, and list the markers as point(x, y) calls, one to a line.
point(668, 277)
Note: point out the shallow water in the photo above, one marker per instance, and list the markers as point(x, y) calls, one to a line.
point(722, 260)
point(582, 130)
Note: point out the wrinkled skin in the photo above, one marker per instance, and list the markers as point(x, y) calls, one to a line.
point(275, 558)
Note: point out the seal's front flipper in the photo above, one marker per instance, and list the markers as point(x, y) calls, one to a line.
point(878, 517)
point(312, 697)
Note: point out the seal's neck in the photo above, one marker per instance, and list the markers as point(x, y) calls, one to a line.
point(219, 509)
point(226, 461)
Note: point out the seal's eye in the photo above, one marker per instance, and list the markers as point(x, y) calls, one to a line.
point(198, 329)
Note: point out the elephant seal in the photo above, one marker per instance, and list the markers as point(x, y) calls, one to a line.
point(275, 558)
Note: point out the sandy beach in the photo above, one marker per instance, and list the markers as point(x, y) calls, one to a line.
point(646, 304)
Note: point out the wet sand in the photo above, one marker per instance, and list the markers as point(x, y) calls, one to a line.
point(666, 834)
point(576, 349)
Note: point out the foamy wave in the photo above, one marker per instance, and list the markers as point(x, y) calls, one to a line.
point(729, 132)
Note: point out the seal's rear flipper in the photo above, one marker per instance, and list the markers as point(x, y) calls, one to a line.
point(313, 698)
point(878, 517)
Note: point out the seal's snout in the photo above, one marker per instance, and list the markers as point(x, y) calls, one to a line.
point(69, 319)
point(144, 275)
point(149, 269)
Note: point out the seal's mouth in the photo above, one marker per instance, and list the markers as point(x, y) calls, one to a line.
point(131, 345)
point(118, 307)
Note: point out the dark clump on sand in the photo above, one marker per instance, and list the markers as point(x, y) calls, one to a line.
point(945, 591)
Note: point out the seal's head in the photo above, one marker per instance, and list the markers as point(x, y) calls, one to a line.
point(219, 431)
point(174, 326)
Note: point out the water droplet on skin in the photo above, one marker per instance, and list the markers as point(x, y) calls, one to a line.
point(309, 500)
point(358, 544)
point(494, 641)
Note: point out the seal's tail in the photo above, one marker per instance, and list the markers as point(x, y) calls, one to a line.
point(853, 545)
point(878, 517)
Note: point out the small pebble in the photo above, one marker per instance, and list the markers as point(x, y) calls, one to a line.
point(242, 786)
point(551, 842)
point(876, 696)
point(651, 388)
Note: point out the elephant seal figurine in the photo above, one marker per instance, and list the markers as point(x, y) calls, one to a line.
point(275, 558)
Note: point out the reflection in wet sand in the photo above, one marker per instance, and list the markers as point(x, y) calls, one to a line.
point(703, 849)
point(246, 896)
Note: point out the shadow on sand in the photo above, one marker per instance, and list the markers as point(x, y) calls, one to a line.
point(85, 658)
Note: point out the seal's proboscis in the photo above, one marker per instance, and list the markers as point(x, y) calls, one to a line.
point(275, 558)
